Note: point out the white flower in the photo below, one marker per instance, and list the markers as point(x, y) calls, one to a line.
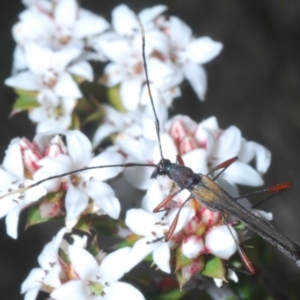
point(84, 185)
point(48, 276)
point(189, 53)
point(115, 122)
point(126, 69)
point(56, 24)
point(12, 177)
point(153, 227)
point(49, 117)
point(96, 281)
point(47, 74)
point(125, 21)
point(12, 205)
point(207, 144)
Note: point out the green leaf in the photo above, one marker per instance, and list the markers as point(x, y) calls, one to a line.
point(94, 248)
point(114, 98)
point(25, 102)
point(34, 217)
point(75, 121)
point(172, 295)
point(84, 223)
point(214, 268)
point(181, 260)
point(104, 225)
point(51, 204)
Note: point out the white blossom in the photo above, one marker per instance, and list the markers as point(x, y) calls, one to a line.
point(189, 53)
point(94, 281)
point(48, 275)
point(153, 227)
point(84, 185)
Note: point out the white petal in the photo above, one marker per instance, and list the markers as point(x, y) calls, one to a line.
point(168, 146)
point(49, 255)
point(103, 131)
point(112, 74)
point(203, 50)
point(74, 289)
point(84, 264)
point(82, 69)
point(79, 148)
point(138, 177)
point(153, 197)
point(52, 277)
point(241, 173)
point(39, 58)
point(149, 14)
point(180, 33)
point(106, 158)
point(192, 246)
point(65, 13)
point(32, 294)
point(12, 220)
point(229, 143)
point(6, 205)
point(186, 214)
point(76, 201)
point(33, 280)
point(13, 162)
point(197, 78)
point(112, 267)
point(67, 87)
point(63, 57)
point(161, 256)
point(116, 50)
point(119, 289)
point(197, 160)
point(139, 251)
point(24, 81)
point(251, 150)
point(19, 60)
point(103, 195)
point(35, 193)
point(140, 221)
point(89, 24)
point(52, 166)
point(219, 241)
point(124, 20)
point(130, 92)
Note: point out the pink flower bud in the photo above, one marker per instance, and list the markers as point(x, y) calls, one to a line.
point(56, 147)
point(187, 144)
point(191, 270)
point(209, 217)
point(178, 132)
point(30, 155)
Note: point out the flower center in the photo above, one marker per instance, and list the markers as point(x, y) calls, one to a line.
point(75, 179)
point(97, 288)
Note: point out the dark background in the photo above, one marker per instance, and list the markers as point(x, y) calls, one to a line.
point(254, 84)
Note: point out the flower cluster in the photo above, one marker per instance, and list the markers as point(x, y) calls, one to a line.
point(201, 146)
point(57, 39)
point(67, 195)
point(59, 176)
point(69, 271)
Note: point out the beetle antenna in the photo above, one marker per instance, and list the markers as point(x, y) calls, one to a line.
point(157, 126)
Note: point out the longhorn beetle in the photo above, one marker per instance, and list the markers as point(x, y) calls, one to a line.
point(205, 190)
